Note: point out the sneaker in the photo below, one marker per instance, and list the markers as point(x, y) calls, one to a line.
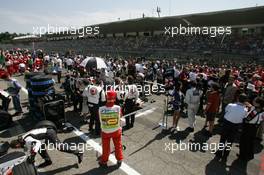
point(45, 164)
point(17, 114)
point(102, 165)
point(80, 157)
point(207, 133)
point(119, 163)
point(178, 128)
point(189, 129)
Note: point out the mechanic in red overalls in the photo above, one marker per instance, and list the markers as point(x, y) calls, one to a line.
point(110, 116)
point(9, 65)
point(38, 63)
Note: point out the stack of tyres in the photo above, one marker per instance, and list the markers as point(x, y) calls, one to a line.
point(30, 75)
point(42, 85)
point(31, 98)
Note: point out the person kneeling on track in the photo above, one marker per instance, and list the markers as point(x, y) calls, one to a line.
point(37, 140)
point(110, 115)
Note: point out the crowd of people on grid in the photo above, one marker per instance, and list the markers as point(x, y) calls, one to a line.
point(233, 93)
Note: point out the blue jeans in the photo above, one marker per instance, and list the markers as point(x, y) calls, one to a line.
point(16, 103)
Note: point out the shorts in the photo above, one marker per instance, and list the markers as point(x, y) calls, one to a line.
point(210, 116)
point(176, 108)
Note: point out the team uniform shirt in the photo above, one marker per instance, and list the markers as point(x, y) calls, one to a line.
point(31, 143)
point(94, 95)
point(110, 118)
point(254, 117)
point(193, 96)
point(38, 62)
point(235, 113)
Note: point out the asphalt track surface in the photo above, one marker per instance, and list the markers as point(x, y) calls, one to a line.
point(148, 149)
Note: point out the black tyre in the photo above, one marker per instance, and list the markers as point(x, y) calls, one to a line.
point(47, 124)
point(4, 146)
point(11, 156)
point(29, 75)
point(5, 120)
point(54, 111)
point(49, 91)
point(40, 78)
point(25, 168)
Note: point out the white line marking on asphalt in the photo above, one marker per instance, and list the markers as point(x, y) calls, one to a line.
point(149, 111)
point(126, 168)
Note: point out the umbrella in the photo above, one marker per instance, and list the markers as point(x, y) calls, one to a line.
point(94, 62)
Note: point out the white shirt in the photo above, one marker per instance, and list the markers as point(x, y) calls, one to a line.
point(176, 73)
point(46, 58)
point(131, 92)
point(192, 76)
point(69, 62)
point(32, 143)
point(22, 65)
point(93, 94)
point(59, 63)
point(193, 96)
point(235, 113)
point(4, 93)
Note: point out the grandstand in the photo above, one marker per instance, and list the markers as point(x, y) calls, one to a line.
point(145, 37)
